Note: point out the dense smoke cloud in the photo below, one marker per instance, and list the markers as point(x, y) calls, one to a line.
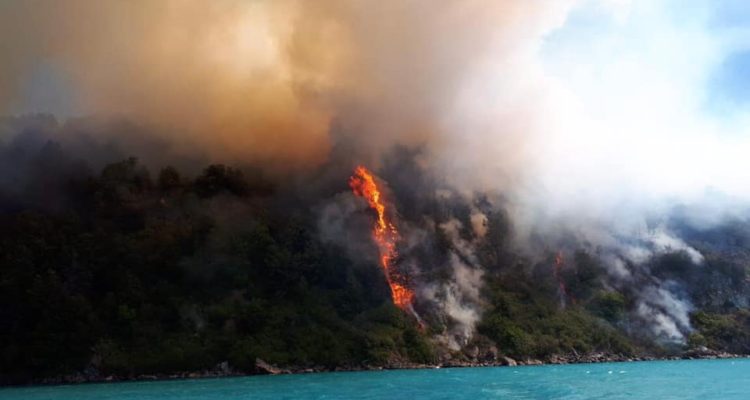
point(557, 104)
point(271, 79)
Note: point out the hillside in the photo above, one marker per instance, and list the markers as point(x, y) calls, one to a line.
point(126, 272)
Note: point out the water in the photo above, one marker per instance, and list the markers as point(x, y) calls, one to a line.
point(701, 379)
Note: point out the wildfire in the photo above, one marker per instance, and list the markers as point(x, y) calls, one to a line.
point(385, 234)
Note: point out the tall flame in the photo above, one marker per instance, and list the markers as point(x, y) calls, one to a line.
point(385, 234)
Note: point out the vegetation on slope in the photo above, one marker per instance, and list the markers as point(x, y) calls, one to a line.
point(129, 274)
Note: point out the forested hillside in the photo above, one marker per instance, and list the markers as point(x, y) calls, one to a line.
point(128, 272)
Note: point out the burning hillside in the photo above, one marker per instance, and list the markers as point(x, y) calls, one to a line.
point(189, 199)
point(385, 235)
point(278, 270)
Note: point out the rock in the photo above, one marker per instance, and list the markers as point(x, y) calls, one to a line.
point(555, 359)
point(265, 368)
point(699, 352)
point(223, 368)
point(533, 361)
point(456, 364)
point(507, 361)
point(490, 354)
point(472, 352)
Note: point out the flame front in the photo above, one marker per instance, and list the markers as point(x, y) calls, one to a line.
point(385, 234)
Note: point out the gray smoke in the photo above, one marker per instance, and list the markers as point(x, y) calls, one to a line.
point(459, 298)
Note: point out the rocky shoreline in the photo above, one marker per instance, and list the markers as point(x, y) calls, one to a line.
point(91, 375)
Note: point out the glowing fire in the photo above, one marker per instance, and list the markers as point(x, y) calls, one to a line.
point(385, 234)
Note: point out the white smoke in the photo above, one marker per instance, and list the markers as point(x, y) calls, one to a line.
point(460, 297)
point(667, 316)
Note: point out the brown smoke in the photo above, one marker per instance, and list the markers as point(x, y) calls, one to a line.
point(269, 80)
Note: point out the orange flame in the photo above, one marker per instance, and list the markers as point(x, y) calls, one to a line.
point(385, 234)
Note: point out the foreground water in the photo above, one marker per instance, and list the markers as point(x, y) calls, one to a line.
point(700, 379)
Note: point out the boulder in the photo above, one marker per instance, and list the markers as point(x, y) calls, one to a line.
point(557, 359)
point(472, 352)
point(508, 361)
point(262, 367)
point(223, 368)
point(490, 354)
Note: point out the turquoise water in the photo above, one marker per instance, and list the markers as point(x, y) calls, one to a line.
point(701, 379)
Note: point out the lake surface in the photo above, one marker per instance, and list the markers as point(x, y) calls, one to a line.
point(700, 379)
